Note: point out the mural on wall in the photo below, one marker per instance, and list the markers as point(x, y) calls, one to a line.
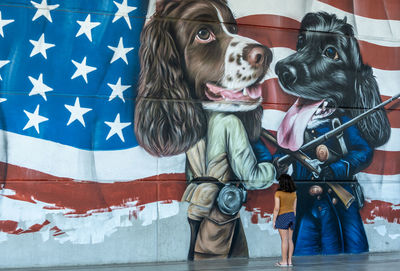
point(220, 70)
point(115, 114)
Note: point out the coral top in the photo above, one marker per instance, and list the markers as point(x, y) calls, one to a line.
point(286, 201)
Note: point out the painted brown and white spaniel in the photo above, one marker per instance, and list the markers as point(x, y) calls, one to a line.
point(192, 59)
point(200, 94)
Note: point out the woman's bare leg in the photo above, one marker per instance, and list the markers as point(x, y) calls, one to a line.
point(284, 245)
point(291, 246)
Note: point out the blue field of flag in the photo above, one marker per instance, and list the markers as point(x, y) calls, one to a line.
point(69, 70)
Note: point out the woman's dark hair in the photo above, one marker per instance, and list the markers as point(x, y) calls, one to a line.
point(286, 183)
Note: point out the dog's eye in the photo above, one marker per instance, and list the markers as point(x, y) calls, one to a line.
point(204, 36)
point(233, 29)
point(331, 53)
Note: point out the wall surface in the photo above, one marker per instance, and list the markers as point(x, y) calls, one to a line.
point(120, 125)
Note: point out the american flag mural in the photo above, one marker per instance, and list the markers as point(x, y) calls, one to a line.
point(70, 162)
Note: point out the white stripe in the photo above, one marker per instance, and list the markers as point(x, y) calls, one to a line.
point(294, 9)
point(393, 143)
point(380, 187)
point(272, 119)
point(92, 228)
point(151, 8)
point(388, 81)
point(380, 32)
point(102, 166)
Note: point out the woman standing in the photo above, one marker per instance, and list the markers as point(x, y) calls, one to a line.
point(285, 217)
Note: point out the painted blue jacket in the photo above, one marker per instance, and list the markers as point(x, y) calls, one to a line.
point(359, 154)
point(322, 226)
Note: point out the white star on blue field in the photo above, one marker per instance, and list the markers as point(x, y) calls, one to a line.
point(69, 70)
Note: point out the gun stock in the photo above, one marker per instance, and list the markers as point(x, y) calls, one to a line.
point(346, 197)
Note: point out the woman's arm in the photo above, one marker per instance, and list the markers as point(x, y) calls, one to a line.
point(294, 206)
point(276, 211)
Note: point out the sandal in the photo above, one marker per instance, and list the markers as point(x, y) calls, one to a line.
point(280, 265)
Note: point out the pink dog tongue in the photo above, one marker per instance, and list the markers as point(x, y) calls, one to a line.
point(228, 94)
point(291, 131)
point(254, 92)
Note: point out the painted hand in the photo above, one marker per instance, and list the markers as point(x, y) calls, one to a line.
point(281, 168)
point(327, 174)
point(316, 164)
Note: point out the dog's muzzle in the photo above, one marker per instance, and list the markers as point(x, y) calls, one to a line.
point(287, 74)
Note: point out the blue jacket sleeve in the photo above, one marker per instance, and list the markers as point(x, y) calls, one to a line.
point(359, 154)
point(261, 152)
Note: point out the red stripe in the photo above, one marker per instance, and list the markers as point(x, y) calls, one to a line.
point(11, 227)
point(261, 203)
point(278, 31)
point(393, 112)
point(380, 57)
point(394, 117)
point(275, 98)
point(384, 163)
point(82, 197)
point(375, 9)
point(380, 209)
point(8, 226)
point(271, 30)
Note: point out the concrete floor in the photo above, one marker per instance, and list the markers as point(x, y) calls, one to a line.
point(375, 261)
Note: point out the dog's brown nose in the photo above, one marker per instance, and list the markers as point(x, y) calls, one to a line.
point(257, 55)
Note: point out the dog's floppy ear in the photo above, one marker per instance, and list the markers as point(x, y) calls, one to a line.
point(376, 127)
point(167, 120)
point(252, 122)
